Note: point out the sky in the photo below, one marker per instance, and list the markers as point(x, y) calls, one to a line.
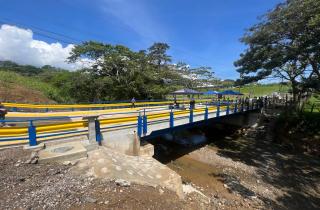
point(200, 33)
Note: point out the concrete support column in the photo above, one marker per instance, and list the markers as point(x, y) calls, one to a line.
point(91, 128)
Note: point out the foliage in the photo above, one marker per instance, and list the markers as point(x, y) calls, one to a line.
point(8, 78)
point(284, 44)
point(114, 72)
point(142, 74)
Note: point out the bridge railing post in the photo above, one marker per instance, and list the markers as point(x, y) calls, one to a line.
point(145, 123)
point(241, 109)
point(218, 108)
point(98, 131)
point(236, 106)
point(139, 125)
point(228, 107)
point(32, 134)
point(206, 113)
point(171, 121)
point(191, 116)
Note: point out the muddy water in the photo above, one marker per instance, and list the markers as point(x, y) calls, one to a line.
point(203, 175)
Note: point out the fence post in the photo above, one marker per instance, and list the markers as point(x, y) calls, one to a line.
point(228, 107)
point(145, 123)
point(139, 125)
point(98, 131)
point(206, 113)
point(32, 134)
point(241, 109)
point(191, 116)
point(312, 107)
point(236, 106)
point(218, 108)
point(171, 119)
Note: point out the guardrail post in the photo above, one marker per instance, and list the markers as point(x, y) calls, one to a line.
point(218, 108)
point(171, 119)
point(32, 134)
point(98, 131)
point(191, 116)
point(235, 107)
point(228, 107)
point(139, 125)
point(241, 109)
point(145, 123)
point(206, 113)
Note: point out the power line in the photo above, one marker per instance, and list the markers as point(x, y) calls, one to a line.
point(43, 32)
point(66, 39)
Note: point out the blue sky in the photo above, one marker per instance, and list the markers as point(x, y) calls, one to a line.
point(200, 33)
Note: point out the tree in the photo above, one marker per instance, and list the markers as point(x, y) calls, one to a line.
point(125, 73)
point(157, 54)
point(285, 43)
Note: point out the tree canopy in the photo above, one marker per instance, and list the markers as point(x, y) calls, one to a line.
point(116, 72)
point(285, 44)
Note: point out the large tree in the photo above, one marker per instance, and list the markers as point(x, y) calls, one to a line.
point(120, 73)
point(285, 44)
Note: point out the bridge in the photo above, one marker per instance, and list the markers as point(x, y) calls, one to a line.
point(115, 126)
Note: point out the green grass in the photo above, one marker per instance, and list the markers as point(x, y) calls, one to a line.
point(252, 90)
point(7, 79)
point(313, 104)
point(262, 89)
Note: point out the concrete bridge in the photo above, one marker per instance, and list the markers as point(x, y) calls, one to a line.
point(124, 132)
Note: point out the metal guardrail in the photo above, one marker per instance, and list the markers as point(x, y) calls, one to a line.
point(33, 133)
point(72, 107)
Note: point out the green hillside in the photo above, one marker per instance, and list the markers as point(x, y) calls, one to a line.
point(16, 87)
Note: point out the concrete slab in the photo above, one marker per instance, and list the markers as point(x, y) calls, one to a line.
point(147, 150)
point(108, 164)
point(63, 152)
point(34, 148)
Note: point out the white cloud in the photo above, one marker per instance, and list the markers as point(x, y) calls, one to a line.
point(18, 45)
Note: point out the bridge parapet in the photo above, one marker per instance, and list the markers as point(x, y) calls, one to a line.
point(119, 132)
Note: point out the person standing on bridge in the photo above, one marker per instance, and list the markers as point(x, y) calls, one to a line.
point(133, 101)
point(192, 103)
point(3, 113)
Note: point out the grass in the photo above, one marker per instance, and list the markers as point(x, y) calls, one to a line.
point(252, 90)
point(313, 104)
point(262, 89)
point(8, 79)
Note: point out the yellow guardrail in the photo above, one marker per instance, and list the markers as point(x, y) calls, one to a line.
point(22, 131)
point(79, 106)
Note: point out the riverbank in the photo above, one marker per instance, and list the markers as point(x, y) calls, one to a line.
point(246, 169)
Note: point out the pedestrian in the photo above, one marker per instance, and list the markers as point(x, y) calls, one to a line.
point(192, 103)
point(3, 113)
point(133, 101)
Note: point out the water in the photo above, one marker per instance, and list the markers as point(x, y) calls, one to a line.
point(173, 150)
